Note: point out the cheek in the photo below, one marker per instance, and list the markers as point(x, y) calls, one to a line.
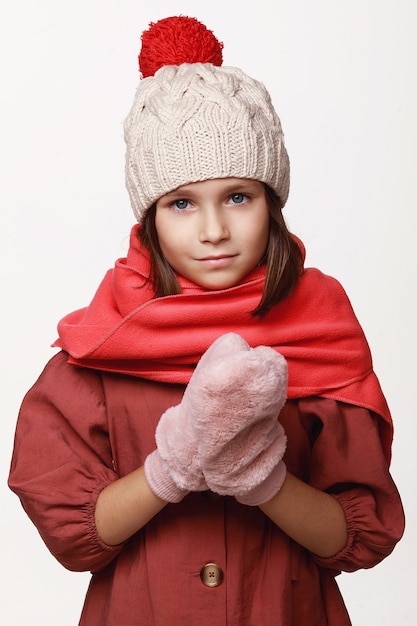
point(167, 246)
point(171, 243)
point(163, 231)
point(261, 235)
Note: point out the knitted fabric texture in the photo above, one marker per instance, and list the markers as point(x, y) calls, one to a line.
point(197, 121)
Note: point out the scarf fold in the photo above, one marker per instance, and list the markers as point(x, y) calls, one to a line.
point(126, 330)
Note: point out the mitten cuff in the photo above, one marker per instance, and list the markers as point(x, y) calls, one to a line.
point(160, 480)
point(266, 490)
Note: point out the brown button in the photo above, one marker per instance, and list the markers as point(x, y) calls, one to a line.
point(211, 575)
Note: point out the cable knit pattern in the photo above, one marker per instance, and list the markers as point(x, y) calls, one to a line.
point(196, 122)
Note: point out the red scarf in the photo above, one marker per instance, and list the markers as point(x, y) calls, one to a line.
point(126, 330)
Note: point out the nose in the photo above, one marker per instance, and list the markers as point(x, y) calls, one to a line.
point(213, 225)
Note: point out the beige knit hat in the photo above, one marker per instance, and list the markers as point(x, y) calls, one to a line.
point(194, 121)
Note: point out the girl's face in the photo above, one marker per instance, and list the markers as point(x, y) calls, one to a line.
point(214, 232)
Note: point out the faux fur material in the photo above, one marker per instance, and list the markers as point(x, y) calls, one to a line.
point(225, 435)
point(237, 404)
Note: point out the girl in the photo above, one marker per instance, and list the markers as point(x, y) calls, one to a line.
point(149, 451)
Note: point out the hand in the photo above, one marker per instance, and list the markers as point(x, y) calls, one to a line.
point(227, 421)
point(173, 469)
point(239, 396)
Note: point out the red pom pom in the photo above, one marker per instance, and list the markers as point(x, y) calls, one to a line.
point(176, 40)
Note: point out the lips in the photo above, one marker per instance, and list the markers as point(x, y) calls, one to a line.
point(218, 261)
point(217, 258)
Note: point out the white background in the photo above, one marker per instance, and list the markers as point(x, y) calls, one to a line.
point(343, 77)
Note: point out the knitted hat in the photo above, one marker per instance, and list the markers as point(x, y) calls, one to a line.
point(193, 120)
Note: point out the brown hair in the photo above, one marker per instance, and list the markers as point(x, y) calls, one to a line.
point(283, 258)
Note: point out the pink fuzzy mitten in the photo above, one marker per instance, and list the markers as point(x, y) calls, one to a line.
point(236, 403)
point(173, 469)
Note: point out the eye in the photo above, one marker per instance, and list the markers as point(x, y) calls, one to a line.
point(180, 205)
point(238, 198)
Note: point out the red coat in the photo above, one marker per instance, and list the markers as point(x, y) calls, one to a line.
point(80, 429)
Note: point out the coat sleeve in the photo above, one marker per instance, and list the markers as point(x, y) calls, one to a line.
point(62, 460)
point(347, 460)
